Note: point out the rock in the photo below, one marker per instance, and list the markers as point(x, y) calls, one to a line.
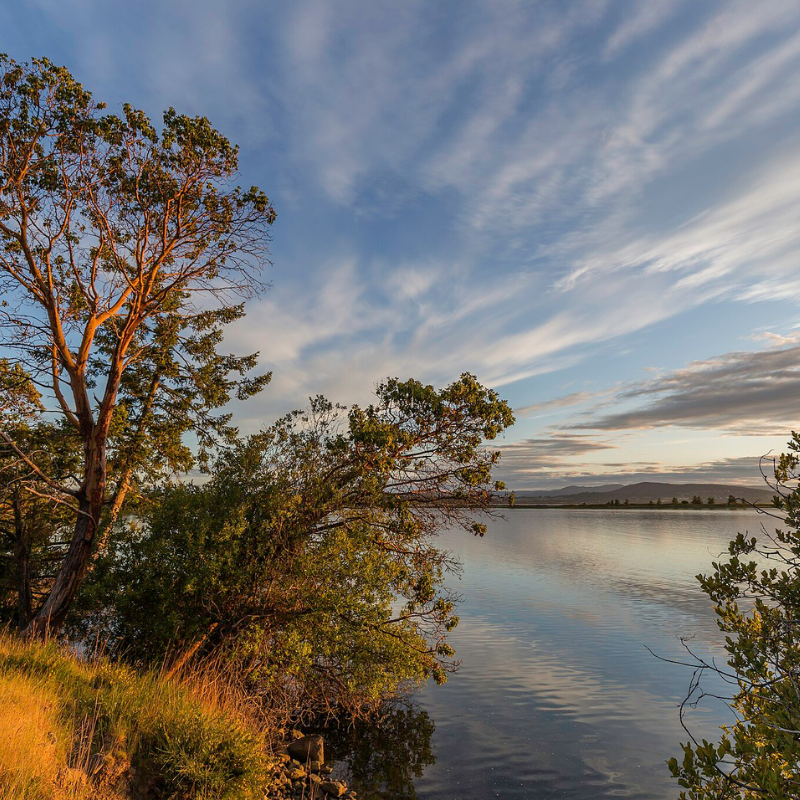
point(314, 779)
point(296, 734)
point(315, 766)
point(333, 788)
point(95, 764)
point(326, 769)
point(297, 773)
point(308, 748)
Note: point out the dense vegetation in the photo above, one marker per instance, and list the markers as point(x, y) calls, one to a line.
point(307, 562)
point(756, 595)
point(303, 570)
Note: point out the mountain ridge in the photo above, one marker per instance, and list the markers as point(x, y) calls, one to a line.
point(644, 492)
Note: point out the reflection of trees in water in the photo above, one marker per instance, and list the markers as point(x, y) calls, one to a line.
point(384, 756)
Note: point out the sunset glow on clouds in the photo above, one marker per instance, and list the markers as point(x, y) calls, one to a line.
point(593, 206)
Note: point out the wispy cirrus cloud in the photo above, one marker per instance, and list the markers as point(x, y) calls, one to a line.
point(642, 21)
point(501, 188)
point(748, 241)
point(549, 173)
point(559, 403)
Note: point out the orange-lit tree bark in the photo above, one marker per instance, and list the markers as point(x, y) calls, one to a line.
point(121, 248)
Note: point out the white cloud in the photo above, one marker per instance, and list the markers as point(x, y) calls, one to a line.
point(776, 339)
point(749, 240)
point(643, 19)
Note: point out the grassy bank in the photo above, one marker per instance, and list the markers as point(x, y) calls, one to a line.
point(71, 728)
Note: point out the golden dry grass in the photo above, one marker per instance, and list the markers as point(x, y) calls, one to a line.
point(34, 742)
point(60, 715)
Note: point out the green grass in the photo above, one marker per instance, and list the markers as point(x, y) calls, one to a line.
point(64, 718)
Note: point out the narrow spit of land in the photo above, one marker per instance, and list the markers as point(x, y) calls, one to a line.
point(640, 506)
point(645, 494)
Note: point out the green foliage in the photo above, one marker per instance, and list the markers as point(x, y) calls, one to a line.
point(110, 230)
point(757, 600)
point(307, 560)
point(20, 401)
point(185, 747)
point(34, 523)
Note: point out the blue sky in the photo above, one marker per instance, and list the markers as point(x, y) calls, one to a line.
point(592, 205)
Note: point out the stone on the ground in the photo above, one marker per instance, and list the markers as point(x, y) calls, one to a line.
point(333, 788)
point(308, 748)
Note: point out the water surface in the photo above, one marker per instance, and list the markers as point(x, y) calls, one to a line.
point(558, 695)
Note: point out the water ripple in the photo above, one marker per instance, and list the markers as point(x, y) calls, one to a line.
point(558, 695)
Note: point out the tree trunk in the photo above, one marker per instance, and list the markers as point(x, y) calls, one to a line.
point(49, 618)
point(22, 555)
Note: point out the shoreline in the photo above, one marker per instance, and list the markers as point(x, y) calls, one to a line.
point(638, 507)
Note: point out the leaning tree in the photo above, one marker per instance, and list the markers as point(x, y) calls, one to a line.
point(308, 564)
point(124, 250)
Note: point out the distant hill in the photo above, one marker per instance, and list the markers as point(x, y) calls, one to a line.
point(605, 487)
point(643, 493)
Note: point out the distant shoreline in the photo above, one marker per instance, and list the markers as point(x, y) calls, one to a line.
point(640, 506)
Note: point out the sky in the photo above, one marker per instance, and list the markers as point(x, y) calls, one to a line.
point(592, 205)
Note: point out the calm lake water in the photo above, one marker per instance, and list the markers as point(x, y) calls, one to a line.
point(557, 695)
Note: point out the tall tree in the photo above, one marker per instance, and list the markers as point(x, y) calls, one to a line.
point(123, 253)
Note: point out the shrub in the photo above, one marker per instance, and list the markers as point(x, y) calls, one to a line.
point(758, 608)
